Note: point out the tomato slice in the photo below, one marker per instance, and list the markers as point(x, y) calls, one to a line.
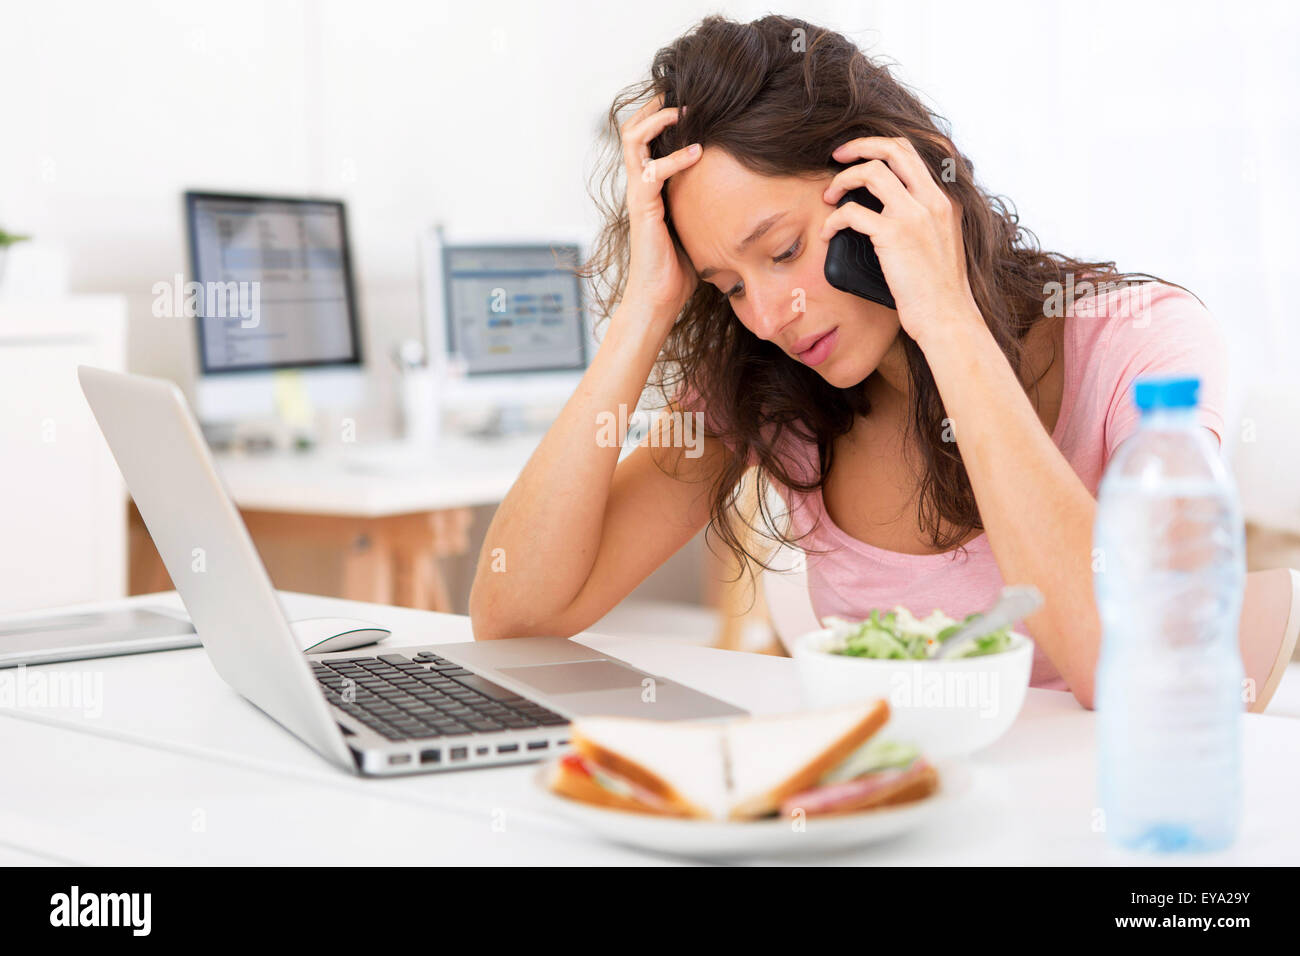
point(575, 763)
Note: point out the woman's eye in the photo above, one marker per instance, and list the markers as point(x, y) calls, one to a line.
point(791, 252)
point(786, 256)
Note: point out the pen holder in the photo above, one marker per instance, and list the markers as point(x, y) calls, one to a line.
point(421, 408)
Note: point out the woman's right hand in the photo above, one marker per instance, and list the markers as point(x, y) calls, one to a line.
point(660, 276)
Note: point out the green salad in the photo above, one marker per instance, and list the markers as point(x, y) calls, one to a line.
point(898, 635)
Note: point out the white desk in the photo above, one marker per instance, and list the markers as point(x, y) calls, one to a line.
point(178, 769)
point(387, 513)
point(381, 480)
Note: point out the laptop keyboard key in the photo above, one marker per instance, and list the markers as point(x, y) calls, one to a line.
point(486, 687)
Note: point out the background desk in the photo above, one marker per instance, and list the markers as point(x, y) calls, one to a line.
point(178, 769)
point(376, 523)
point(381, 517)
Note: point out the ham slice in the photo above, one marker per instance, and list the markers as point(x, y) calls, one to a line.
point(875, 789)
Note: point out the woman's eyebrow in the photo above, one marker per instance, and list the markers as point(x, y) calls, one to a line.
point(754, 236)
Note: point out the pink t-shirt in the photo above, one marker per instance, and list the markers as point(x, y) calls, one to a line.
point(1110, 341)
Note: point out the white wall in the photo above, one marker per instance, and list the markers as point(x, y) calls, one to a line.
point(482, 116)
point(1160, 135)
point(1153, 133)
point(1156, 134)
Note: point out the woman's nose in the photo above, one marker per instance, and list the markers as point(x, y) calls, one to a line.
point(773, 311)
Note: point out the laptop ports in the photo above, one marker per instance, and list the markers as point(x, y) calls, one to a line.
point(394, 759)
point(459, 753)
point(507, 748)
point(538, 744)
point(431, 756)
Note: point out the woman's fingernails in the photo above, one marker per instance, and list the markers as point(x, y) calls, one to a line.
point(693, 149)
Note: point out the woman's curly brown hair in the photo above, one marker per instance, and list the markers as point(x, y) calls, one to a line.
point(779, 95)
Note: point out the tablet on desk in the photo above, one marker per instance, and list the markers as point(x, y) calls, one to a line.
point(88, 634)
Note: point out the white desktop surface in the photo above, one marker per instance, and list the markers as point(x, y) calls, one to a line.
point(380, 479)
point(178, 769)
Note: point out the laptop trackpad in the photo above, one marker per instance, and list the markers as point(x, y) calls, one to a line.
point(575, 677)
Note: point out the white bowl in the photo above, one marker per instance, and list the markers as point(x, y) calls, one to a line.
point(947, 708)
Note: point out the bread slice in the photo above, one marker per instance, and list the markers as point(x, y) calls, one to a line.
point(575, 785)
point(771, 758)
point(689, 772)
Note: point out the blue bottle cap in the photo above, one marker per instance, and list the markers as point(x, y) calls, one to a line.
point(1152, 393)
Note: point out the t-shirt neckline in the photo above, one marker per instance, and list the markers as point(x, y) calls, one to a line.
point(980, 542)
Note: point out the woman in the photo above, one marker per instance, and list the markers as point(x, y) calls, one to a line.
point(928, 453)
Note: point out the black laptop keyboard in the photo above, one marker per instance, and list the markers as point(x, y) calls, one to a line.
point(404, 698)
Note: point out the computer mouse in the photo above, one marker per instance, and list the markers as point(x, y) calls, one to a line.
point(323, 635)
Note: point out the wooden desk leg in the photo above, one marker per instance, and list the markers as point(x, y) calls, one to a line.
point(417, 579)
point(418, 543)
point(147, 574)
point(367, 570)
point(736, 590)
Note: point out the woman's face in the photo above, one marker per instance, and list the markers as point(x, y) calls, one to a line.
point(757, 239)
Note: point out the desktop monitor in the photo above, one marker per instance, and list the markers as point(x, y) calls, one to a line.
point(514, 309)
point(275, 291)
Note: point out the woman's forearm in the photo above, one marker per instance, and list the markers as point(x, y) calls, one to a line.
point(543, 540)
point(1037, 513)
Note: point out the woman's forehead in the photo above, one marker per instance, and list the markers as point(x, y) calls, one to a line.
point(717, 203)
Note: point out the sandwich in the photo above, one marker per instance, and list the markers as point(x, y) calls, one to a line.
point(819, 763)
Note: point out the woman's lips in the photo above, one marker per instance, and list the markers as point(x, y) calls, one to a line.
point(817, 353)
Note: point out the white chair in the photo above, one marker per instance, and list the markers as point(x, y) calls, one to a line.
point(1270, 618)
point(785, 590)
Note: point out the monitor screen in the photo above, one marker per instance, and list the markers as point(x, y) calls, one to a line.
point(514, 308)
point(273, 282)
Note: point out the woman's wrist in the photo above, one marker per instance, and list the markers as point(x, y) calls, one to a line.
point(957, 326)
point(639, 326)
point(627, 351)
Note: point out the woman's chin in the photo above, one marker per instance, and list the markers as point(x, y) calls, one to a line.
point(843, 375)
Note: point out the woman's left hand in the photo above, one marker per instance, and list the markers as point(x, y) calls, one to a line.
point(917, 235)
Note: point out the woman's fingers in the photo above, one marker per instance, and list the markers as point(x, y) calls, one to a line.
point(879, 180)
point(649, 122)
point(657, 170)
point(648, 109)
point(903, 159)
point(645, 126)
point(856, 217)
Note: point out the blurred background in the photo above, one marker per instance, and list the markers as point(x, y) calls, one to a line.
point(1159, 135)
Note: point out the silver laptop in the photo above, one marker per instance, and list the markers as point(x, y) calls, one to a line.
point(409, 709)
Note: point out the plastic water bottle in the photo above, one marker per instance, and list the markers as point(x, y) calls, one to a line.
point(1169, 574)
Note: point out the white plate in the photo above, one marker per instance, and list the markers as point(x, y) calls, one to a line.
point(775, 837)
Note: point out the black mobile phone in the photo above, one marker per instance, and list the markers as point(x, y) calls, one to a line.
point(851, 261)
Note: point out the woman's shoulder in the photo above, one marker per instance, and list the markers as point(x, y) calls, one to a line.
point(1120, 332)
point(1146, 314)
